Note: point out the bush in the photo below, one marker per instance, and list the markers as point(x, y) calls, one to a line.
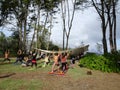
point(105, 63)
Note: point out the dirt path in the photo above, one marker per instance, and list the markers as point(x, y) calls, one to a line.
point(99, 81)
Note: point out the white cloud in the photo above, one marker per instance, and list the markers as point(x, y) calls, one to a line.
point(86, 27)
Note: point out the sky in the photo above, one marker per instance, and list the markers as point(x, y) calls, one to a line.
point(86, 28)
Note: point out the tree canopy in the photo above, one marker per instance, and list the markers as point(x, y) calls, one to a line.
point(26, 17)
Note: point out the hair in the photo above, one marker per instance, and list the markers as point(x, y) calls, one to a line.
point(56, 54)
point(63, 55)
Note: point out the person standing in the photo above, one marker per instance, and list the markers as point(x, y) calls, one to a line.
point(29, 59)
point(64, 61)
point(72, 58)
point(46, 60)
point(55, 63)
point(34, 61)
point(19, 57)
point(6, 56)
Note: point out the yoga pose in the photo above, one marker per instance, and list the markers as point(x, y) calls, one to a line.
point(64, 61)
point(34, 62)
point(6, 56)
point(20, 57)
point(46, 60)
point(55, 59)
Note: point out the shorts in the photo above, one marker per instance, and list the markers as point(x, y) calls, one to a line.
point(33, 61)
point(73, 61)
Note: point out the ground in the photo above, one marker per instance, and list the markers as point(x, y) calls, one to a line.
point(16, 77)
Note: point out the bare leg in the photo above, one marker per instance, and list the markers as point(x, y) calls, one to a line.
point(53, 66)
point(44, 64)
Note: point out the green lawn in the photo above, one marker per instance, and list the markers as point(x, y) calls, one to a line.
point(16, 77)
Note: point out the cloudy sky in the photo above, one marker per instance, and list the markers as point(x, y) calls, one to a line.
point(86, 28)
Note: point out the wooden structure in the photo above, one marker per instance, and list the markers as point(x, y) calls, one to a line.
point(75, 51)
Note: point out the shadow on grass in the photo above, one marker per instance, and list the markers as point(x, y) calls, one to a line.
point(7, 75)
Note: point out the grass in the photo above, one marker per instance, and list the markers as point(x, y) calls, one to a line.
point(76, 73)
point(21, 78)
point(13, 84)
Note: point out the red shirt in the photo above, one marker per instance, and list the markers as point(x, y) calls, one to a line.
point(64, 59)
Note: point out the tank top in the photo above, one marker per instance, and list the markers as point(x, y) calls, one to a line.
point(64, 59)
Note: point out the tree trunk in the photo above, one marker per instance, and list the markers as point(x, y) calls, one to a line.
point(103, 29)
point(20, 35)
point(64, 29)
point(38, 29)
point(70, 21)
point(114, 20)
point(104, 25)
point(49, 36)
point(108, 7)
point(33, 37)
point(104, 38)
point(24, 39)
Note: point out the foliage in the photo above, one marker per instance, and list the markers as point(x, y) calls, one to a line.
point(53, 46)
point(105, 63)
point(12, 43)
point(3, 42)
point(49, 5)
point(9, 43)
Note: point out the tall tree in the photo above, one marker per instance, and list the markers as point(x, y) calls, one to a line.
point(115, 2)
point(50, 7)
point(107, 12)
point(106, 9)
point(19, 10)
point(67, 19)
point(100, 8)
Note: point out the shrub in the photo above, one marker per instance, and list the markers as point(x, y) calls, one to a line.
point(105, 63)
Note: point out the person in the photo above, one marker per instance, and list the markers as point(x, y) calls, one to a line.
point(72, 58)
point(29, 59)
point(42, 55)
point(55, 59)
point(34, 62)
point(6, 56)
point(47, 60)
point(59, 58)
point(64, 61)
point(19, 57)
point(38, 57)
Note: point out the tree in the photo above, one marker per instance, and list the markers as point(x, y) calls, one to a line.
point(49, 7)
point(17, 9)
point(2, 41)
point(100, 8)
point(67, 19)
point(111, 14)
point(53, 46)
point(20, 10)
point(6, 43)
point(107, 12)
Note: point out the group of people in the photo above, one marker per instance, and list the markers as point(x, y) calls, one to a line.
point(59, 59)
point(28, 59)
